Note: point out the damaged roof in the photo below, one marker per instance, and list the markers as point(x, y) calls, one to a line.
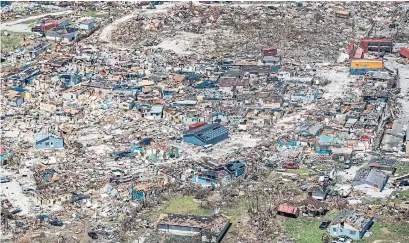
point(352, 218)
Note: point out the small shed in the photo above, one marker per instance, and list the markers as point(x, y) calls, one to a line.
point(87, 24)
point(288, 211)
point(50, 142)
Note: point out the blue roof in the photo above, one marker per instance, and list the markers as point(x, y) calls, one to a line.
point(208, 132)
point(19, 89)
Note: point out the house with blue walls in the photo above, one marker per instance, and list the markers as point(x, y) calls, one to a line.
point(50, 142)
point(189, 119)
point(87, 24)
point(5, 153)
point(219, 175)
point(323, 150)
point(155, 113)
point(106, 104)
point(350, 224)
point(205, 84)
point(169, 93)
point(220, 117)
point(230, 171)
point(206, 178)
point(16, 101)
point(68, 80)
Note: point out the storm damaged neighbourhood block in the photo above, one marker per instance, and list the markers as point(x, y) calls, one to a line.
point(208, 228)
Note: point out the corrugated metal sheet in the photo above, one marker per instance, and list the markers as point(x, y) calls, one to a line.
point(358, 53)
point(367, 64)
point(404, 52)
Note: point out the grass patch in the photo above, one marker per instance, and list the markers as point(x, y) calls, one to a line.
point(403, 196)
point(11, 42)
point(236, 213)
point(14, 40)
point(303, 172)
point(182, 205)
point(384, 233)
point(402, 169)
point(306, 230)
point(29, 22)
point(96, 14)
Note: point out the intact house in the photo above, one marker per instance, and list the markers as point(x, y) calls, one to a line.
point(49, 142)
point(206, 134)
point(155, 113)
point(209, 229)
point(350, 224)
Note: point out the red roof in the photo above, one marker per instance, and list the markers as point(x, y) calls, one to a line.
point(376, 40)
point(287, 209)
point(3, 149)
point(196, 125)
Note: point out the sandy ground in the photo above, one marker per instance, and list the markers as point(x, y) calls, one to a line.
point(219, 150)
point(349, 174)
point(13, 192)
point(339, 77)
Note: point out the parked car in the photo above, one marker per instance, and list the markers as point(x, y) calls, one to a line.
point(27, 190)
point(404, 183)
point(4, 179)
point(342, 240)
point(16, 211)
point(291, 165)
point(324, 224)
point(270, 166)
point(93, 235)
point(56, 222)
point(20, 224)
point(124, 154)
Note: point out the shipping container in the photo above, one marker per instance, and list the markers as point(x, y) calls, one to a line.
point(196, 125)
point(404, 52)
point(342, 14)
point(367, 63)
point(269, 52)
point(377, 45)
point(362, 66)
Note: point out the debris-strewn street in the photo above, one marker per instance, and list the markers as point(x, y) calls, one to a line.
point(204, 121)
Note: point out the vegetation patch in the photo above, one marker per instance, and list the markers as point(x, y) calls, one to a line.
point(402, 196)
point(182, 205)
point(12, 41)
point(96, 14)
point(306, 230)
point(383, 233)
